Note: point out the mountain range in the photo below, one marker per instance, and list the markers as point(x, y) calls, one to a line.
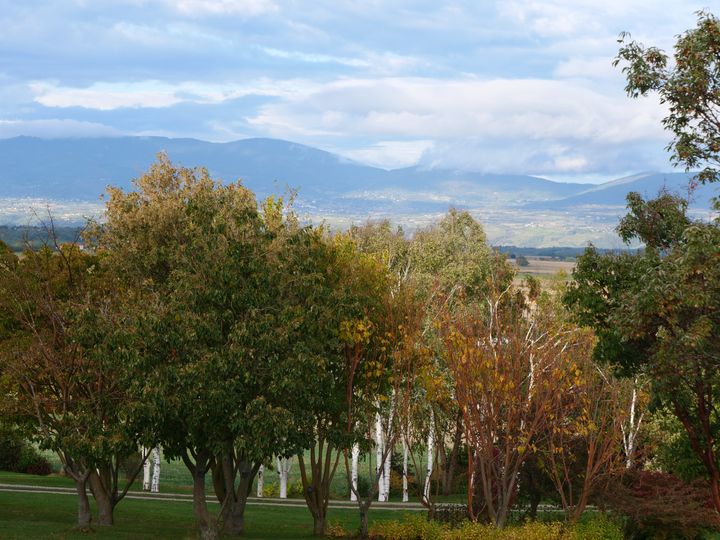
point(71, 174)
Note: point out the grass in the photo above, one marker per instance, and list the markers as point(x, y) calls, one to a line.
point(40, 515)
point(175, 478)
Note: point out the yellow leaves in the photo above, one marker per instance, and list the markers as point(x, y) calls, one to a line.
point(356, 331)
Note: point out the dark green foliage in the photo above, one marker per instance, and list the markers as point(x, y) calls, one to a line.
point(600, 281)
point(17, 237)
point(522, 261)
point(17, 455)
point(658, 223)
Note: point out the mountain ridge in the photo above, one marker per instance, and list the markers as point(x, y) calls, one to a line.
point(523, 210)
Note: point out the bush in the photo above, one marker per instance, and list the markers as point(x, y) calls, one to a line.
point(451, 514)
point(271, 490)
point(39, 466)
point(130, 464)
point(295, 490)
point(599, 526)
point(415, 527)
point(11, 450)
point(16, 455)
point(336, 530)
point(661, 505)
point(418, 528)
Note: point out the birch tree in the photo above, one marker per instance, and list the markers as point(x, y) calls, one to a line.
point(283, 468)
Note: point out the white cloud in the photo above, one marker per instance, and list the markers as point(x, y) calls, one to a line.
point(599, 67)
point(247, 8)
point(389, 154)
point(313, 58)
point(435, 109)
point(155, 94)
point(51, 128)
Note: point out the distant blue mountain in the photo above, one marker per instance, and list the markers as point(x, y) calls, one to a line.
point(82, 168)
point(647, 184)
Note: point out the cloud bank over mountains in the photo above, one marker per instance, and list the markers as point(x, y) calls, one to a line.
point(514, 86)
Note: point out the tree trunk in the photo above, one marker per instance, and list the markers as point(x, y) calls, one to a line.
point(234, 524)
point(283, 465)
point(386, 471)
point(364, 522)
point(206, 525)
point(316, 485)
point(105, 510)
point(379, 450)
point(260, 481)
point(103, 494)
point(405, 496)
point(208, 531)
point(354, 471)
point(155, 483)
point(451, 462)
point(84, 516)
point(146, 471)
point(430, 452)
point(319, 525)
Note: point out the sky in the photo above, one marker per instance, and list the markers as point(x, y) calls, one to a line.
point(513, 86)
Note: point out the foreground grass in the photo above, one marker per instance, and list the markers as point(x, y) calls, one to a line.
point(40, 515)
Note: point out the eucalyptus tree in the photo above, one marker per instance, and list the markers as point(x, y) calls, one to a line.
point(217, 373)
point(688, 84)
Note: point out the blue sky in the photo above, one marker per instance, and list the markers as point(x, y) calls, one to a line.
point(515, 86)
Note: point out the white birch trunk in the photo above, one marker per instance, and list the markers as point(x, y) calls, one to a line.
point(146, 469)
point(386, 474)
point(430, 452)
point(405, 496)
point(283, 467)
point(389, 451)
point(379, 450)
point(354, 470)
point(630, 431)
point(260, 481)
point(155, 483)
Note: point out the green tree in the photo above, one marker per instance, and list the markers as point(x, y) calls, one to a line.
point(689, 84)
point(675, 313)
point(219, 363)
point(66, 359)
point(655, 314)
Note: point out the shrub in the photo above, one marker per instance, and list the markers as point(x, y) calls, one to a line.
point(16, 455)
point(661, 505)
point(418, 528)
point(295, 490)
point(39, 466)
point(11, 450)
point(414, 527)
point(335, 530)
point(451, 514)
point(271, 489)
point(599, 526)
point(130, 464)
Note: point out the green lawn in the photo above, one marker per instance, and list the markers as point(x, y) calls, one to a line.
point(175, 478)
point(36, 515)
